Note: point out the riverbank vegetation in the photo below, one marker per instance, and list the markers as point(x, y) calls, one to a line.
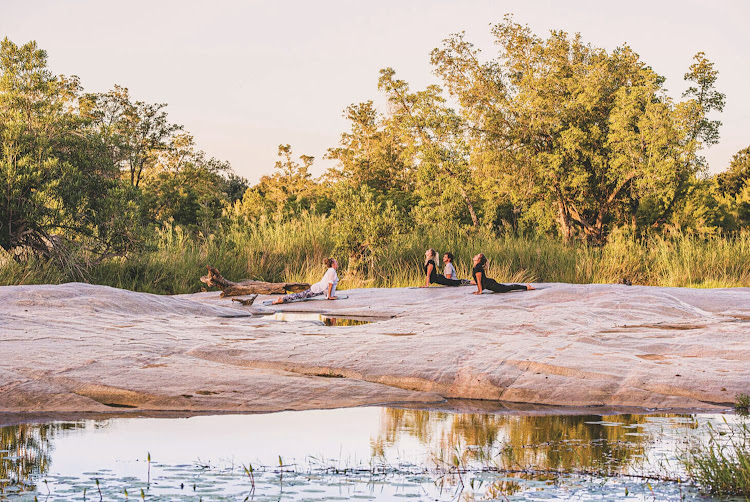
point(721, 464)
point(560, 160)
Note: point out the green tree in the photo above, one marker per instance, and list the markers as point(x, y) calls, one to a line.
point(436, 143)
point(733, 180)
point(55, 178)
point(372, 153)
point(700, 131)
point(185, 187)
point(290, 189)
point(364, 226)
point(134, 132)
point(591, 131)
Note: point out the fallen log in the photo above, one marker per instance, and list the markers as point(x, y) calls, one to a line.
point(228, 288)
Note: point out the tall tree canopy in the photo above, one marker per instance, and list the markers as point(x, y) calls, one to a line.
point(89, 172)
point(592, 132)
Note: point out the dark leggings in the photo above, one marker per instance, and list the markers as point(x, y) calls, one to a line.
point(495, 286)
point(443, 280)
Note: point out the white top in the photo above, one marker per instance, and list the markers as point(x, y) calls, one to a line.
point(450, 272)
point(329, 278)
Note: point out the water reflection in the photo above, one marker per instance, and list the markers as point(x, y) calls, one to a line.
point(25, 453)
point(322, 319)
point(377, 452)
point(602, 444)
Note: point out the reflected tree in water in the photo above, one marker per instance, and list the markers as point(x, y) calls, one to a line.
point(25, 452)
point(605, 444)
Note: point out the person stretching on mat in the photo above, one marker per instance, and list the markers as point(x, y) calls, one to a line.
point(326, 285)
point(431, 274)
point(483, 282)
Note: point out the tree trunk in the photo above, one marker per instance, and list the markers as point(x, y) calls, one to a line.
point(469, 205)
point(214, 280)
point(564, 220)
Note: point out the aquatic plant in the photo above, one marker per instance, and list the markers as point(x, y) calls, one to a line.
point(721, 464)
point(742, 405)
point(250, 474)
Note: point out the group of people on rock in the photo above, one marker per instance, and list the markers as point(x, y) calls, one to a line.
point(327, 285)
point(478, 274)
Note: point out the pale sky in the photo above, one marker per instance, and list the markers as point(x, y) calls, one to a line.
point(245, 76)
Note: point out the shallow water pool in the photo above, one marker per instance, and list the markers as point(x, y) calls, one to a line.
point(365, 453)
point(322, 319)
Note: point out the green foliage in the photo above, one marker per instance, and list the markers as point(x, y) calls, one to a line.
point(733, 180)
point(86, 177)
point(61, 196)
point(364, 227)
point(288, 192)
point(721, 465)
point(742, 405)
point(373, 154)
point(589, 132)
point(133, 133)
point(553, 137)
point(293, 250)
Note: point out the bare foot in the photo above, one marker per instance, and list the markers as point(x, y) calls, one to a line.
point(278, 301)
point(529, 287)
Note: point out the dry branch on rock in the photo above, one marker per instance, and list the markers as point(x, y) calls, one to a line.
point(247, 302)
point(228, 288)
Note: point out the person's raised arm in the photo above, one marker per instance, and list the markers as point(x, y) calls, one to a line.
point(479, 283)
point(430, 266)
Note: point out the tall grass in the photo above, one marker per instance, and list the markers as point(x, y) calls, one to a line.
point(721, 465)
point(294, 250)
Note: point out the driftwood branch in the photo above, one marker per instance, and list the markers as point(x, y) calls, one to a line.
point(247, 302)
point(228, 288)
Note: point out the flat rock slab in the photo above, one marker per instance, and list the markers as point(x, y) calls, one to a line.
point(78, 348)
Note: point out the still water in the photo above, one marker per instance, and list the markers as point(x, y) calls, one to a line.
point(322, 319)
point(365, 453)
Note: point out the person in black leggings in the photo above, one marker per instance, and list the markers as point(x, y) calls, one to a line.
point(483, 282)
point(431, 274)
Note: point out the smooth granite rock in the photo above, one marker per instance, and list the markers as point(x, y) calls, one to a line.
point(84, 348)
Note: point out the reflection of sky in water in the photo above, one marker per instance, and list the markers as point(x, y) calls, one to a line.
point(409, 444)
point(259, 439)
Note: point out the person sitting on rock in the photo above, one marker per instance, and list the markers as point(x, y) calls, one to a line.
point(449, 271)
point(326, 285)
point(431, 273)
point(483, 282)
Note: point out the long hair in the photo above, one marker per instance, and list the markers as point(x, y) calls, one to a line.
point(328, 262)
point(482, 260)
point(431, 254)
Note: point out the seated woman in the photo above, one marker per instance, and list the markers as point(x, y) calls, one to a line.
point(483, 282)
point(326, 285)
point(431, 274)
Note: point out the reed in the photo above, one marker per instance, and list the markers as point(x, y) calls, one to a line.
point(721, 465)
point(173, 260)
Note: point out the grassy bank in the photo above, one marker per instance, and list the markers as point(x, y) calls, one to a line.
point(293, 251)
